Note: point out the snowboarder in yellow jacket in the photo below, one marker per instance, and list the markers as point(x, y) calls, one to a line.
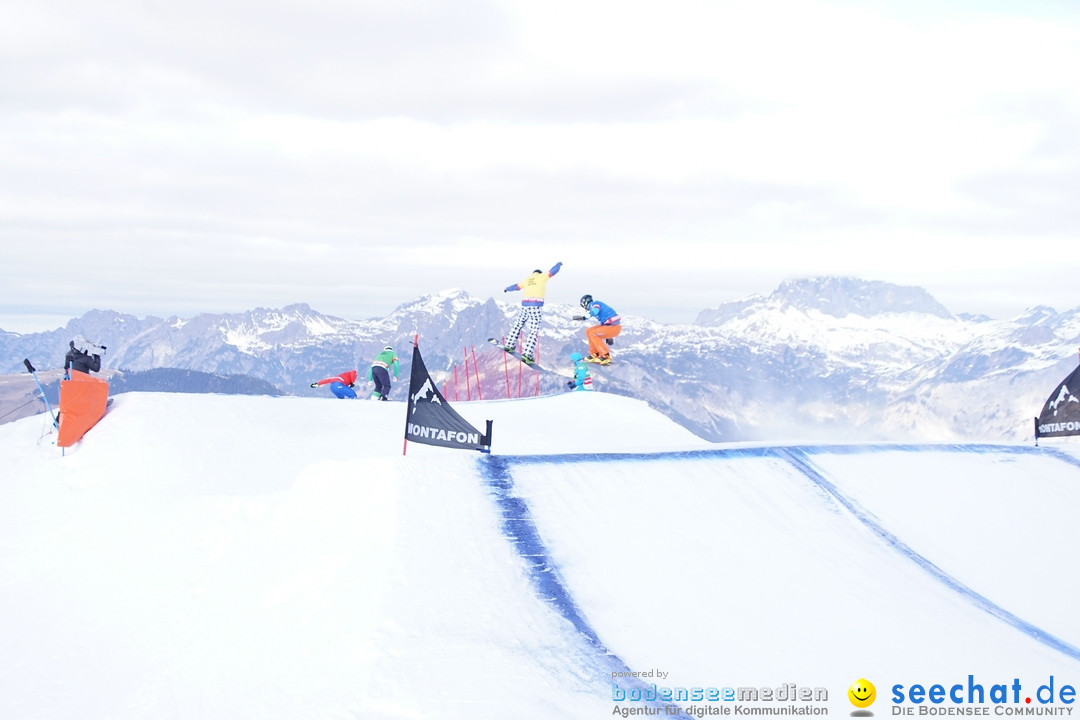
point(534, 287)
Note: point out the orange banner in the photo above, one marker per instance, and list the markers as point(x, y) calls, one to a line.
point(82, 404)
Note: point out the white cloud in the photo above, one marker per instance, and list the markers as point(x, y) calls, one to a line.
point(268, 153)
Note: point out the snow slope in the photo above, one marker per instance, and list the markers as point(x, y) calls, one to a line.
point(253, 557)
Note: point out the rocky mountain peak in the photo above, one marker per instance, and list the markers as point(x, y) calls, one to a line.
point(840, 296)
point(836, 297)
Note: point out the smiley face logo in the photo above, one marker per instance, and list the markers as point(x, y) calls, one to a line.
point(862, 693)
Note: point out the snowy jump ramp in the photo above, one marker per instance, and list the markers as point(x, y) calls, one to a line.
point(280, 558)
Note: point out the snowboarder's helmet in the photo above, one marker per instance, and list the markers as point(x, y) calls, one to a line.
point(576, 357)
point(388, 348)
point(538, 271)
point(586, 300)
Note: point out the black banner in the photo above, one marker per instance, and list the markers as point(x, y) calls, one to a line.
point(432, 421)
point(1060, 415)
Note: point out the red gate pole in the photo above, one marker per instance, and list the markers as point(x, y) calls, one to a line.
point(506, 370)
point(538, 360)
point(468, 384)
point(476, 371)
point(405, 441)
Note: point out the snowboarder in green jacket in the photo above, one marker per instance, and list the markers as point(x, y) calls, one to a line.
point(379, 373)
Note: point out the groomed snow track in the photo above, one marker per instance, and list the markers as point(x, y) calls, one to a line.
point(844, 489)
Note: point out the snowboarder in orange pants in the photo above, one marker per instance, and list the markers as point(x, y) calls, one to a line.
point(600, 336)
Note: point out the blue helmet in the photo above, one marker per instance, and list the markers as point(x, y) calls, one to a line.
point(576, 357)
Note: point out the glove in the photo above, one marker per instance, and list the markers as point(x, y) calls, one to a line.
point(571, 384)
point(556, 267)
point(314, 385)
point(580, 317)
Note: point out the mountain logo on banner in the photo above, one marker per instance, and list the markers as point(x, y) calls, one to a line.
point(1060, 415)
point(430, 419)
point(1064, 396)
point(427, 393)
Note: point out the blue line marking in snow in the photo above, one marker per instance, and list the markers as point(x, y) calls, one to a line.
point(771, 451)
point(519, 526)
point(802, 463)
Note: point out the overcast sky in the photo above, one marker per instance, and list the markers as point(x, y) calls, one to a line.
point(172, 158)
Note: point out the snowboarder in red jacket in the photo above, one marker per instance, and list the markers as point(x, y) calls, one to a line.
point(341, 385)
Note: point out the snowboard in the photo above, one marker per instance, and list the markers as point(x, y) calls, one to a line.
point(516, 354)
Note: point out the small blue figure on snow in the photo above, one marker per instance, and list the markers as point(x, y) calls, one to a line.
point(582, 379)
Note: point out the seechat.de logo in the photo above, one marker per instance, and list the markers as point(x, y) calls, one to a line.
point(862, 694)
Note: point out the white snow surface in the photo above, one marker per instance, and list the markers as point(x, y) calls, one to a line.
point(206, 556)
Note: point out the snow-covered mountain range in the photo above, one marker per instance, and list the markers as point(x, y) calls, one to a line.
point(821, 358)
